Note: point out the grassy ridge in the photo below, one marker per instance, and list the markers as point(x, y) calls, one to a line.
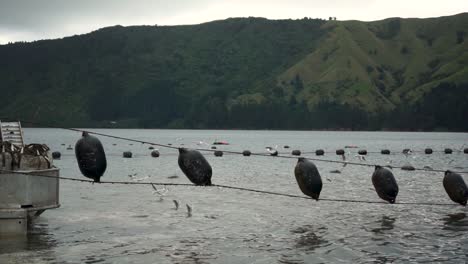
point(246, 73)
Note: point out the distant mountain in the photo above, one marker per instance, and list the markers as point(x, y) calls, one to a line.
point(397, 74)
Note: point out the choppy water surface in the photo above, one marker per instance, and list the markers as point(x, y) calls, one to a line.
point(131, 224)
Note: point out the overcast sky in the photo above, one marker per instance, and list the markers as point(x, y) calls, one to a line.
point(26, 20)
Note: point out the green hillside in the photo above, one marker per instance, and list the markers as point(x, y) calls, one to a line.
point(247, 73)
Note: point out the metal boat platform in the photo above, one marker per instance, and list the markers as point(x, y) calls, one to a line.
point(29, 184)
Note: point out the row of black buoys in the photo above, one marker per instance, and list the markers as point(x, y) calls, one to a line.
point(194, 165)
point(308, 178)
point(319, 152)
point(127, 154)
point(91, 157)
point(428, 151)
point(362, 152)
point(448, 151)
point(385, 151)
point(455, 187)
point(56, 155)
point(155, 153)
point(385, 184)
point(340, 152)
point(218, 153)
point(246, 153)
point(296, 152)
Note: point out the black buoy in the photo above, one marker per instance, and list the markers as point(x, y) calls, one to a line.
point(155, 153)
point(465, 151)
point(151, 147)
point(296, 152)
point(385, 152)
point(340, 152)
point(406, 151)
point(91, 157)
point(286, 146)
point(218, 153)
point(246, 153)
point(127, 154)
point(213, 147)
point(428, 151)
point(319, 152)
point(362, 152)
point(274, 153)
point(408, 167)
point(455, 187)
point(385, 184)
point(195, 166)
point(56, 155)
point(308, 178)
point(448, 151)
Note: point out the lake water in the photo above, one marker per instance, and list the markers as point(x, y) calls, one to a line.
point(99, 223)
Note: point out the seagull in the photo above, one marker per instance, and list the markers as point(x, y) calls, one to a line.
point(161, 193)
point(407, 152)
point(361, 157)
point(189, 210)
point(343, 157)
point(272, 151)
point(176, 203)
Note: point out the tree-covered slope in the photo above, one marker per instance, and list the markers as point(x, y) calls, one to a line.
point(246, 73)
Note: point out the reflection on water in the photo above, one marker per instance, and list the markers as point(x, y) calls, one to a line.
point(386, 223)
point(191, 251)
point(310, 237)
point(39, 238)
point(456, 222)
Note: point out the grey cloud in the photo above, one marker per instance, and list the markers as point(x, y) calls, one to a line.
point(35, 14)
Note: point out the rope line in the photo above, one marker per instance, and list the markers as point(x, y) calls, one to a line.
point(2, 172)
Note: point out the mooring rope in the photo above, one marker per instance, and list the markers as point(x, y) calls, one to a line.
point(3, 172)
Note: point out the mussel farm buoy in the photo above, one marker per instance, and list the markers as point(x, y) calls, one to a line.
point(56, 155)
point(319, 152)
point(296, 152)
point(455, 187)
point(155, 153)
point(194, 165)
point(91, 157)
point(308, 178)
point(408, 167)
point(385, 184)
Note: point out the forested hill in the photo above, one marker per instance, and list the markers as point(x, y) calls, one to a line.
point(399, 74)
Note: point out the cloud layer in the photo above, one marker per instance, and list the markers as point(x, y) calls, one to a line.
point(26, 20)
